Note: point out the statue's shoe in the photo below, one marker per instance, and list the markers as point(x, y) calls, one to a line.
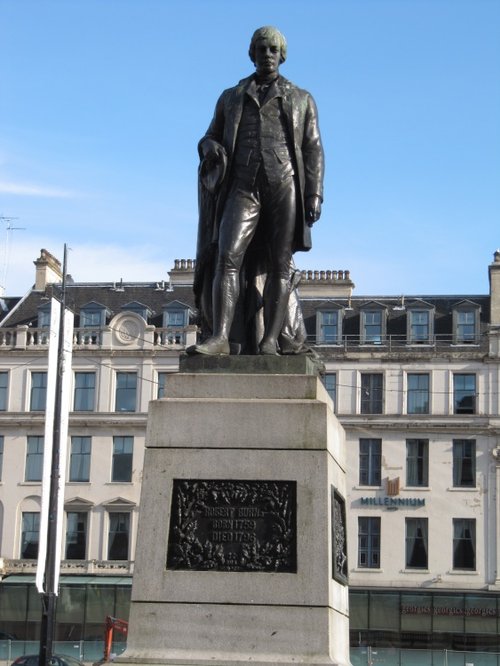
point(268, 349)
point(212, 347)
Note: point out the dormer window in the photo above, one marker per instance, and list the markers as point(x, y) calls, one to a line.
point(372, 325)
point(420, 324)
point(466, 323)
point(176, 318)
point(93, 318)
point(176, 314)
point(138, 308)
point(44, 316)
point(329, 326)
point(93, 315)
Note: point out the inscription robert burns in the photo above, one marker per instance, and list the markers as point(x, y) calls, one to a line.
point(233, 526)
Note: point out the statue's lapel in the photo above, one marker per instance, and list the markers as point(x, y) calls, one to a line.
point(236, 109)
point(288, 106)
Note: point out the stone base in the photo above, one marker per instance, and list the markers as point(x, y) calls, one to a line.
point(300, 364)
point(228, 634)
point(255, 428)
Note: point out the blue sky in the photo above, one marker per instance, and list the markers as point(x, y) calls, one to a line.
point(103, 102)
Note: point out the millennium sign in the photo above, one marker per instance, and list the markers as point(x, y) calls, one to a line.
point(393, 501)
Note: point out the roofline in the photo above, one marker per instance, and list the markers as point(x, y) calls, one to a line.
point(17, 305)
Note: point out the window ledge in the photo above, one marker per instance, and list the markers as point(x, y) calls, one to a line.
point(368, 487)
point(463, 489)
point(367, 569)
point(425, 572)
point(463, 572)
point(414, 489)
point(119, 483)
point(29, 483)
point(78, 483)
point(420, 344)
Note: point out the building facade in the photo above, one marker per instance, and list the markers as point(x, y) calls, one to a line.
point(414, 381)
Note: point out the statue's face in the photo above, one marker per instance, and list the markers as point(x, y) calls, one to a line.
point(267, 55)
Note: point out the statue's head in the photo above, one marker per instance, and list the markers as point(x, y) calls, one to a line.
point(270, 33)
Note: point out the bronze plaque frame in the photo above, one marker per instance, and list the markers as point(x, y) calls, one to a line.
point(233, 525)
point(340, 571)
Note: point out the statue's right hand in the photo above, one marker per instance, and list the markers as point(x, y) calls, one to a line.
point(212, 149)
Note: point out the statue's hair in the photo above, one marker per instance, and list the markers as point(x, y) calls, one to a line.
point(268, 31)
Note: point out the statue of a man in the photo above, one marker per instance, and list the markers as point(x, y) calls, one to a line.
point(262, 169)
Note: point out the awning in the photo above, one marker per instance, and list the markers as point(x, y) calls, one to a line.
point(71, 580)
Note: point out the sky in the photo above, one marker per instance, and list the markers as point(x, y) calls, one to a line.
point(102, 103)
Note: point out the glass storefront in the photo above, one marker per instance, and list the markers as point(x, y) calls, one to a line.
point(425, 620)
point(82, 606)
point(392, 627)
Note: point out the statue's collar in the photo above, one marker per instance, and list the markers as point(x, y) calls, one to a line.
point(275, 89)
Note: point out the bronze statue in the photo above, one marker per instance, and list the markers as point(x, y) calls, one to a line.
point(260, 191)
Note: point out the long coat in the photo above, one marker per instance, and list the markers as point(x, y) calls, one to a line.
point(301, 118)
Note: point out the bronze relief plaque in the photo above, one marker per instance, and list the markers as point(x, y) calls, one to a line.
point(339, 538)
point(221, 525)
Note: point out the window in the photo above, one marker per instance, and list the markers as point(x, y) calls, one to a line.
point(84, 392)
point(176, 317)
point(370, 462)
point(417, 462)
point(369, 543)
point(464, 463)
point(330, 382)
point(118, 538)
point(1, 455)
point(464, 394)
point(162, 384)
point(44, 316)
point(371, 393)
point(372, 329)
point(328, 326)
point(466, 326)
point(464, 543)
point(38, 391)
point(466, 323)
point(4, 383)
point(126, 390)
point(79, 464)
point(92, 317)
point(418, 393)
point(419, 325)
point(416, 543)
point(30, 534)
point(34, 458)
point(76, 535)
point(121, 469)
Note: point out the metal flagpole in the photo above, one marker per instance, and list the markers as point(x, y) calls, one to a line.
point(54, 459)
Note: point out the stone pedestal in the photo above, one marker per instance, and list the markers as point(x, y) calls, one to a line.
point(240, 551)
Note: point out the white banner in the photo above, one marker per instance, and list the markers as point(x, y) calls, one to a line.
point(52, 369)
point(63, 429)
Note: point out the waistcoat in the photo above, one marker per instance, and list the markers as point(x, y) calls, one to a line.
point(262, 140)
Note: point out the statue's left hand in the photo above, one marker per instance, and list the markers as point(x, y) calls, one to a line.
point(312, 209)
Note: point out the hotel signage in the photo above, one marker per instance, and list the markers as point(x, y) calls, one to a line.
point(393, 501)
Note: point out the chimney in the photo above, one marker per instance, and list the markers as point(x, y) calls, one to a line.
point(494, 275)
point(182, 274)
point(48, 270)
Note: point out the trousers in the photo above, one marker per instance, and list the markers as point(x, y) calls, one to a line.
point(274, 206)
